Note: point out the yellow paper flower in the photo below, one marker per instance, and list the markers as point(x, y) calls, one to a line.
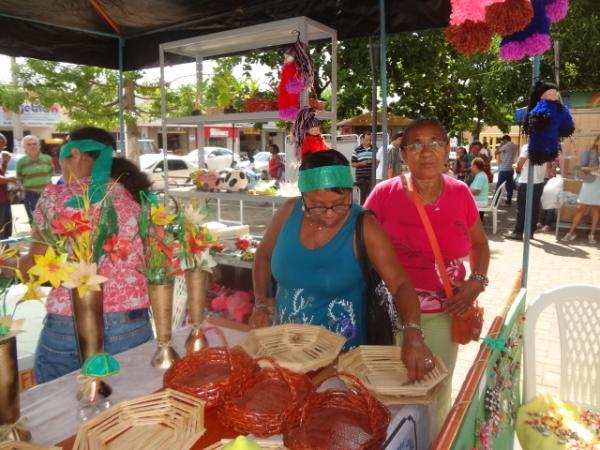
point(33, 291)
point(84, 278)
point(160, 216)
point(50, 267)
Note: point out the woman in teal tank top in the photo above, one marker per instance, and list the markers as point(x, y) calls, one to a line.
point(309, 250)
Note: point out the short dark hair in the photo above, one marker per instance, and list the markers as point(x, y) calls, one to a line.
point(478, 162)
point(365, 134)
point(397, 135)
point(423, 121)
point(273, 147)
point(476, 142)
point(506, 137)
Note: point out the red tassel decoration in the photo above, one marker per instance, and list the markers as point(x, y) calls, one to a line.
point(508, 16)
point(469, 37)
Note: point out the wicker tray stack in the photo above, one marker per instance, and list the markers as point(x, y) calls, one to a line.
point(11, 445)
point(297, 347)
point(382, 371)
point(165, 420)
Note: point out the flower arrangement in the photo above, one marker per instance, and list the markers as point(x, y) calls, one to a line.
point(162, 233)
point(200, 244)
point(74, 247)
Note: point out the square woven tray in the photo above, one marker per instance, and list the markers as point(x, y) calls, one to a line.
point(10, 445)
point(165, 420)
point(382, 371)
point(301, 348)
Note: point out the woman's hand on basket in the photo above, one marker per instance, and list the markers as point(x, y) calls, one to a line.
point(465, 294)
point(416, 356)
point(262, 315)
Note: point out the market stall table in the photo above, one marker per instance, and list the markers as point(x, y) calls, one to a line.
point(50, 409)
point(190, 193)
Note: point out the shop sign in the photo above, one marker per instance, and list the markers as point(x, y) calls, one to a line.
point(32, 115)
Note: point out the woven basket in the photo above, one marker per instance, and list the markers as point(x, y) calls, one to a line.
point(297, 347)
point(254, 104)
point(265, 445)
point(319, 105)
point(381, 369)
point(211, 372)
point(338, 419)
point(167, 419)
point(267, 403)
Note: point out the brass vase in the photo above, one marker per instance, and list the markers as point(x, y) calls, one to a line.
point(10, 412)
point(88, 317)
point(161, 300)
point(197, 287)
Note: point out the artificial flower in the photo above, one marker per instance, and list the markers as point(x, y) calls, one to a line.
point(160, 216)
point(70, 225)
point(116, 248)
point(196, 242)
point(206, 261)
point(33, 291)
point(168, 248)
point(50, 267)
point(84, 278)
point(194, 216)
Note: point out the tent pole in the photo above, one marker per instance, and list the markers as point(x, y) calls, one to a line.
point(163, 121)
point(121, 99)
point(535, 76)
point(373, 58)
point(383, 72)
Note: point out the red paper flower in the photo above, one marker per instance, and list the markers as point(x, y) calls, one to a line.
point(70, 225)
point(242, 244)
point(116, 248)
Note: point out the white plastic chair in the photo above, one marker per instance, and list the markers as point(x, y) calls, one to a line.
point(493, 206)
point(578, 311)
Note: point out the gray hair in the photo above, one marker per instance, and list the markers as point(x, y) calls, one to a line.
point(30, 137)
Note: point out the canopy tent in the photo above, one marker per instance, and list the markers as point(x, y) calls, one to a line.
point(89, 31)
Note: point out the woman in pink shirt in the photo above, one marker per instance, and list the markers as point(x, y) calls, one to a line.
point(455, 220)
point(125, 293)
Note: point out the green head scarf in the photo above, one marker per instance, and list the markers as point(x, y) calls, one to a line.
point(325, 177)
point(100, 171)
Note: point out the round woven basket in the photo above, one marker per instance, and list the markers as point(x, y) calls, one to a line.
point(337, 419)
point(268, 403)
point(211, 372)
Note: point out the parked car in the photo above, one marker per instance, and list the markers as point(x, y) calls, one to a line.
point(215, 158)
point(179, 170)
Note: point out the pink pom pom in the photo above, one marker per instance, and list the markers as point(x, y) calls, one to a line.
point(557, 10)
point(533, 45)
point(473, 10)
point(289, 113)
point(294, 86)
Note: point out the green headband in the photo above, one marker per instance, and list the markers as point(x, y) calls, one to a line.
point(325, 177)
point(100, 172)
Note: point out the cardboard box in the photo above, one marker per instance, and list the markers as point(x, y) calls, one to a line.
point(568, 166)
point(567, 212)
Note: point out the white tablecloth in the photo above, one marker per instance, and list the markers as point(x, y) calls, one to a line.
point(50, 408)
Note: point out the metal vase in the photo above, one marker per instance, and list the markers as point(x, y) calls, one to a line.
point(88, 317)
point(9, 393)
point(161, 300)
point(197, 286)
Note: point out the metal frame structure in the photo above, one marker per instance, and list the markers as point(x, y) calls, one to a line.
point(256, 37)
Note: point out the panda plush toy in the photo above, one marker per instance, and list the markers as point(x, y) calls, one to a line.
point(235, 181)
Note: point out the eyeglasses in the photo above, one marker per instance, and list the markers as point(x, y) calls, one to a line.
point(418, 147)
point(321, 210)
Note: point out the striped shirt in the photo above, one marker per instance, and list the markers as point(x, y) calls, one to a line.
point(509, 151)
point(35, 174)
point(363, 154)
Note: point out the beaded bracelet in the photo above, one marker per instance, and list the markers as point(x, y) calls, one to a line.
point(480, 278)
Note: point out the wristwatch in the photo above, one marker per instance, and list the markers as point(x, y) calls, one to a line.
point(259, 302)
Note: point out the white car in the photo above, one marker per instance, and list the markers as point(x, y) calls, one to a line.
point(215, 158)
point(179, 170)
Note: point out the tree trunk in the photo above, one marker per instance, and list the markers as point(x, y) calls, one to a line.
point(132, 131)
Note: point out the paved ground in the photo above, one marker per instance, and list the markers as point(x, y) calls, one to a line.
point(552, 264)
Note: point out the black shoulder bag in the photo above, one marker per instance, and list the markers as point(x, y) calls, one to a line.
point(380, 312)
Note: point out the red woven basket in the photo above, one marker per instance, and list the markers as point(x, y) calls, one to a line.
point(337, 419)
point(211, 372)
point(268, 403)
point(254, 104)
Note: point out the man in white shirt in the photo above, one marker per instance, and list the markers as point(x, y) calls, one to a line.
point(538, 188)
